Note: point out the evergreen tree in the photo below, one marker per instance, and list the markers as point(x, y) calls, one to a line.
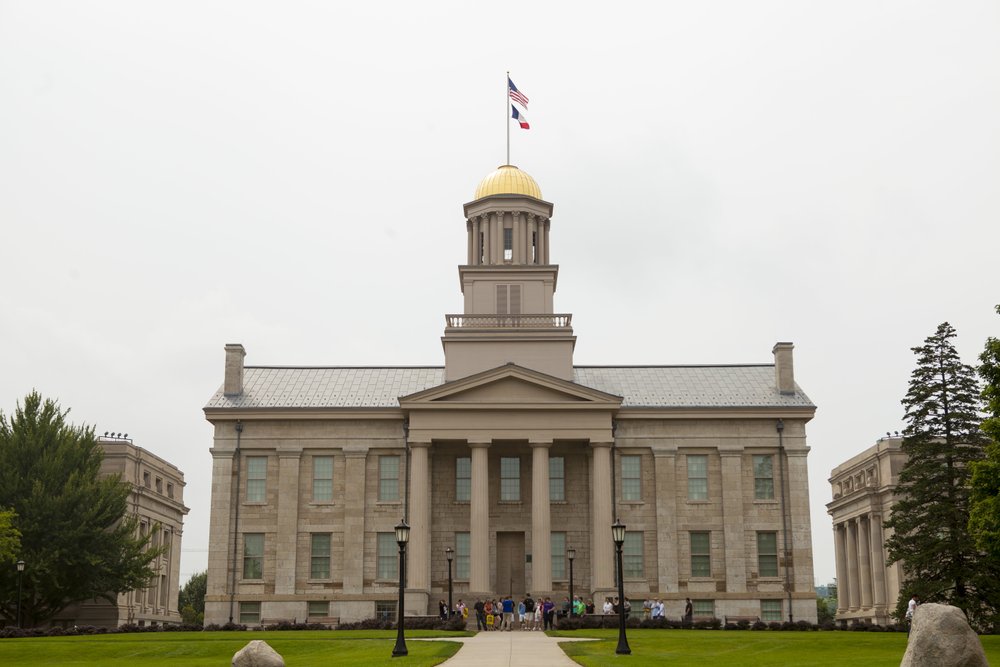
point(984, 521)
point(77, 539)
point(931, 515)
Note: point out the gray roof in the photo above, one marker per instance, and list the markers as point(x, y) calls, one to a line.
point(639, 386)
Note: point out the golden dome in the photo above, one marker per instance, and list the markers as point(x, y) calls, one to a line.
point(508, 180)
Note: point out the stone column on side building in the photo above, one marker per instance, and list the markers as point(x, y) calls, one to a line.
point(286, 548)
point(666, 519)
point(840, 551)
point(864, 563)
point(852, 564)
point(355, 461)
point(418, 570)
point(222, 530)
point(541, 523)
point(733, 531)
point(602, 547)
point(878, 564)
point(479, 520)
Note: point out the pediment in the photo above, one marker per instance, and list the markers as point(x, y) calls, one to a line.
point(512, 386)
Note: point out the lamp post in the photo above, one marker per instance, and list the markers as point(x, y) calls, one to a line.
point(618, 534)
point(20, 571)
point(571, 554)
point(402, 537)
point(449, 554)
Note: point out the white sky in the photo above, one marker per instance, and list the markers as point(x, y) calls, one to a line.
point(175, 176)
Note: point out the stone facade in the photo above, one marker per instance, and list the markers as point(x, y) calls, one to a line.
point(157, 498)
point(863, 489)
point(509, 454)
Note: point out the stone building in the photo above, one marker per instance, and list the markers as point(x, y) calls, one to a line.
point(157, 498)
point(509, 454)
point(863, 489)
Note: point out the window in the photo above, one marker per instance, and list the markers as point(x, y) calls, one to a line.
point(322, 479)
point(159, 485)
point(387, 562)
point(557, 479)
point(508, 244)
point(462, 547)
point(256, 479)
point(770, 610)
point(253, 556)
point(767, 554)
point(508, 299)
point(697, 476)
point(319, 609)
point(388, 478)
point(482, 248)
point(145, 479)
point(385, 610)
point(170, 490)
point(632, 565)
point(763, 477)
point(463, 479)
point(701, 555)
point(631, 477)
point(320, 566)
point(163, 590)
point(249, 613)
point(558, 555)
point(510, 478)
point(703, 608)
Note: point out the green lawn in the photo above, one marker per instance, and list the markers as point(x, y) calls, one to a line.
point(759, 649)
point(194, 649)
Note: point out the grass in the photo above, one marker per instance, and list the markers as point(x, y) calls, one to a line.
point(195, 649)
point(735, 647)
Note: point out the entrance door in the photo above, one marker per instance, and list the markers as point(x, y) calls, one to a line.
point(510, 564)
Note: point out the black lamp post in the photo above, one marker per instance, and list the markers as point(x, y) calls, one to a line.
point(449, 554)
point(571, 554)
point(20, 571)
point(618, 535)
point(402, 537)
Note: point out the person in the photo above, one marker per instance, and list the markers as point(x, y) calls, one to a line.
point(911, 608)
point(442, 609)
point(521, 614)
point(590, 606)
point(488, 607)
point(579, 609)
point(659, 611)
point(539, 615)
point(615, 607)
point(480, 609)
point(608, 607)
point(497, 614)
point(566, 608)
point(688, 611)
point(508, 613)
point(628, 608)
point(647, 608)
point(529, 611)
point(549, 611)
point(461, 610)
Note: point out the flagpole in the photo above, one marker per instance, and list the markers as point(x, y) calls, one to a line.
point(506, 97)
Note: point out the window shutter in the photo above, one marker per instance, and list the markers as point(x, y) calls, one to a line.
point(515, 299)
point(502, 300)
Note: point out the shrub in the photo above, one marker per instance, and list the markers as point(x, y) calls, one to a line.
point(367, 624)
point(759, 625)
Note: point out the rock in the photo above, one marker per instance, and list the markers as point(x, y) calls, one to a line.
point(258, 654)
point(941, 637)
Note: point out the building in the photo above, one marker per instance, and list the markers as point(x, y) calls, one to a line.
point(511, 455)
point(863, 489)
point(157, 498)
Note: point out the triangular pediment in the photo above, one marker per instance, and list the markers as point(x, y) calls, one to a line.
point(513, 386)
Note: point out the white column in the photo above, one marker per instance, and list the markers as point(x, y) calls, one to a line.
point(602, 547)
point(840, 551)
point(288, 521)
point(418, 571)
point(852, 564)
point(541, 524)
point(864, 564)
point(479, 520)
point(878, 562)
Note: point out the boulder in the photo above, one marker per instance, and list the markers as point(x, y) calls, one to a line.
point(258, 654)
point(941, 637)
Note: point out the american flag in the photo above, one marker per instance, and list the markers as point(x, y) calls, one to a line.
point(516, 94)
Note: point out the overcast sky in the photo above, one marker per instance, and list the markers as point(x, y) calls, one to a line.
point(175, 176)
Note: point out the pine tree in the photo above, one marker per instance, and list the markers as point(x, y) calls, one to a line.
point(77, 539)
point(930, 517)
point(984, 521)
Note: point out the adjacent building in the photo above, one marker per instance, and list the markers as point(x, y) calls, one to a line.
point(511, 455)
point(157, 499)
point(863, 490)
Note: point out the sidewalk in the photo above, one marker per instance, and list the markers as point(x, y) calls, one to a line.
point(518, 649)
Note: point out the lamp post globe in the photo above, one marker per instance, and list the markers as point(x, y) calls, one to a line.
point(618, 535)
point(450, 554)
point(402, 537)
point(571, 554)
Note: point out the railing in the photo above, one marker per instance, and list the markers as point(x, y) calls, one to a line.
point(540, 321)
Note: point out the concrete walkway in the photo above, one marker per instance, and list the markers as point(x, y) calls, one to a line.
point(509, 649)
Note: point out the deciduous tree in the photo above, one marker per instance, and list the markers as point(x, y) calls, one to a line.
point(10, 538)
point(191, 599)
point(931, 515)
point(77, 540)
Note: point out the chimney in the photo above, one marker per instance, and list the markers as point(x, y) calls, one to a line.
point(233, 385)
point(784, 375)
